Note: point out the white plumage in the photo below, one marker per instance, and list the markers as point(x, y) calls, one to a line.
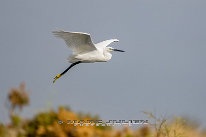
point(84, 50)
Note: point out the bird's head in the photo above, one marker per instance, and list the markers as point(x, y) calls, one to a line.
point(110, 49)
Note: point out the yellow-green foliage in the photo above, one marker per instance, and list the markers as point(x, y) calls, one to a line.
point(45, 124)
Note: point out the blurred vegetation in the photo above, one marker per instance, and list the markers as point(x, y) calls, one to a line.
point(46, 124)
point(18, 98)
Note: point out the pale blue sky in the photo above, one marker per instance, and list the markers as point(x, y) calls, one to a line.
point(162, 70)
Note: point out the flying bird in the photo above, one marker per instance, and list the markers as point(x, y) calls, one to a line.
point(84, 50)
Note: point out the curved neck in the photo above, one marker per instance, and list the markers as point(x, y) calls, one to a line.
point(107, 55)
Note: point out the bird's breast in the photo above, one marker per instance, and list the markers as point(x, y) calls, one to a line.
point(93, 56)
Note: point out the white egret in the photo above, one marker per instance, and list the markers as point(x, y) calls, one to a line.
point(84, 51)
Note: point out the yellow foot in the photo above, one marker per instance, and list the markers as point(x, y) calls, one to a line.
point(58, 76)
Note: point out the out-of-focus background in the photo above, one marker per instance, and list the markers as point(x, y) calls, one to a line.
point(162, 71)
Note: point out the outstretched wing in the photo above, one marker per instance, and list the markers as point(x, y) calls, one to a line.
point(105, 43)
point(77, 41)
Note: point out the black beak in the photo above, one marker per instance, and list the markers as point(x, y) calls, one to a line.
point(118, 50)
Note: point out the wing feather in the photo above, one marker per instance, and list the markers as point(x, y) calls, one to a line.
point(78, 42)
point(105, 43)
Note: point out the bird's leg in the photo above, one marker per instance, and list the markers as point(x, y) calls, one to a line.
point(59, 75)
